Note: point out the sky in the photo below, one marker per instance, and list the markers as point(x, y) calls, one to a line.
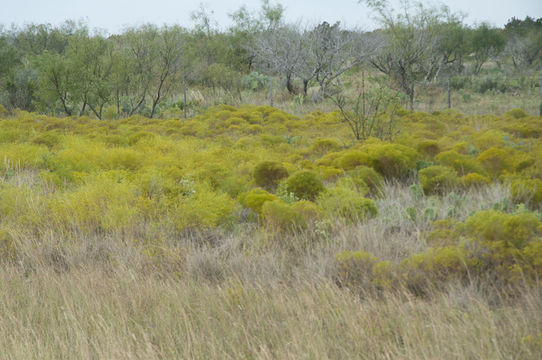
point(114, 15)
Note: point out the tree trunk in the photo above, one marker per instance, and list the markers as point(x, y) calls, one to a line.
point(411, 97)
point(118, 103)
point(289, 85)
point(83, 108)
point(65, 106)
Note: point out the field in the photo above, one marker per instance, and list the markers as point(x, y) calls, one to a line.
point(250, 232)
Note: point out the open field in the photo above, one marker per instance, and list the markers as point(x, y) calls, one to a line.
point(248, 232)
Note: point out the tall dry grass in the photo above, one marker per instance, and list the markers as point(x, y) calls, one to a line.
point(243, 294)
point(91, 314)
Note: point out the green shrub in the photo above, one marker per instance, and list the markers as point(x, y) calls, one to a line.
point(463, 164)
point(348, 204)
point(428, 148)
point(516, 114)
point(309, 211)
point(255, 199)
point(329, 159)
point(496, 160)
point(352, 159)
point(3, 112)
point(435, 267)
point(279, 217)
point(268, 174)
point(204, 209)
point(305, 184)
point(474, 180)
point(367, 176)
point(254, 81)
point(324, 145)
point(527, 191)
point(329, 173)
point(354, 269)
point(493, 226)
point(438, 179)
point(393, 161)
point(490, 82)
point(110, 112)
point(355, 184)
point(48, 139)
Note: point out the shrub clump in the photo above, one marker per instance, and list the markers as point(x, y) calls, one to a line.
point(528, 191)
point(503, 250)
point(305, 185)
point(3, 112)
point(516, 114)
point(352, 159)
point(255, 199)
point(309, 211)
point(428, 148)
point(324, 145)
point(346, 203)
point(393, 161)
point(437, 179)
point(369, 177)
point(496, 160)
point(281, 217)
point(474, 180)
point(268, 174)
point(463, 164)
point(354, 268)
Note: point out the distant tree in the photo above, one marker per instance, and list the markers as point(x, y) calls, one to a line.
point(410, 53)
point(248, 26)
point(21, 87)
point(333, 52)
point(79, 78)
point(244, 30)
point(56, 81)
point(34, 39)
point(9, 57)
point(90, 61)
point(280, 51)
point(135, 67)
point(167, 65)
point(524, 41)
point(486, 43)
point(320, 54)
point(452, 42)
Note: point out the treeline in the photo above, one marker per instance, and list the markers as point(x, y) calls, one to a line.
point(71, 70)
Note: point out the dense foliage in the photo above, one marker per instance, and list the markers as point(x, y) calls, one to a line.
point(261, 165)
point(159, 71)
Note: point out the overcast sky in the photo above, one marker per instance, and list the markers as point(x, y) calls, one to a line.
point(113, 15)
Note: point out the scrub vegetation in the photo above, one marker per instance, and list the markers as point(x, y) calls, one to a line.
point(168, 213)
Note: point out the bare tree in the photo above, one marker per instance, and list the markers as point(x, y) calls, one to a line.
point(411, 51)
point(280, 51)
point(333, 52)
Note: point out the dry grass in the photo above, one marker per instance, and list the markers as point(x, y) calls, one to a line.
point(430, 99)
point(238, 295)
point(88, 313)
